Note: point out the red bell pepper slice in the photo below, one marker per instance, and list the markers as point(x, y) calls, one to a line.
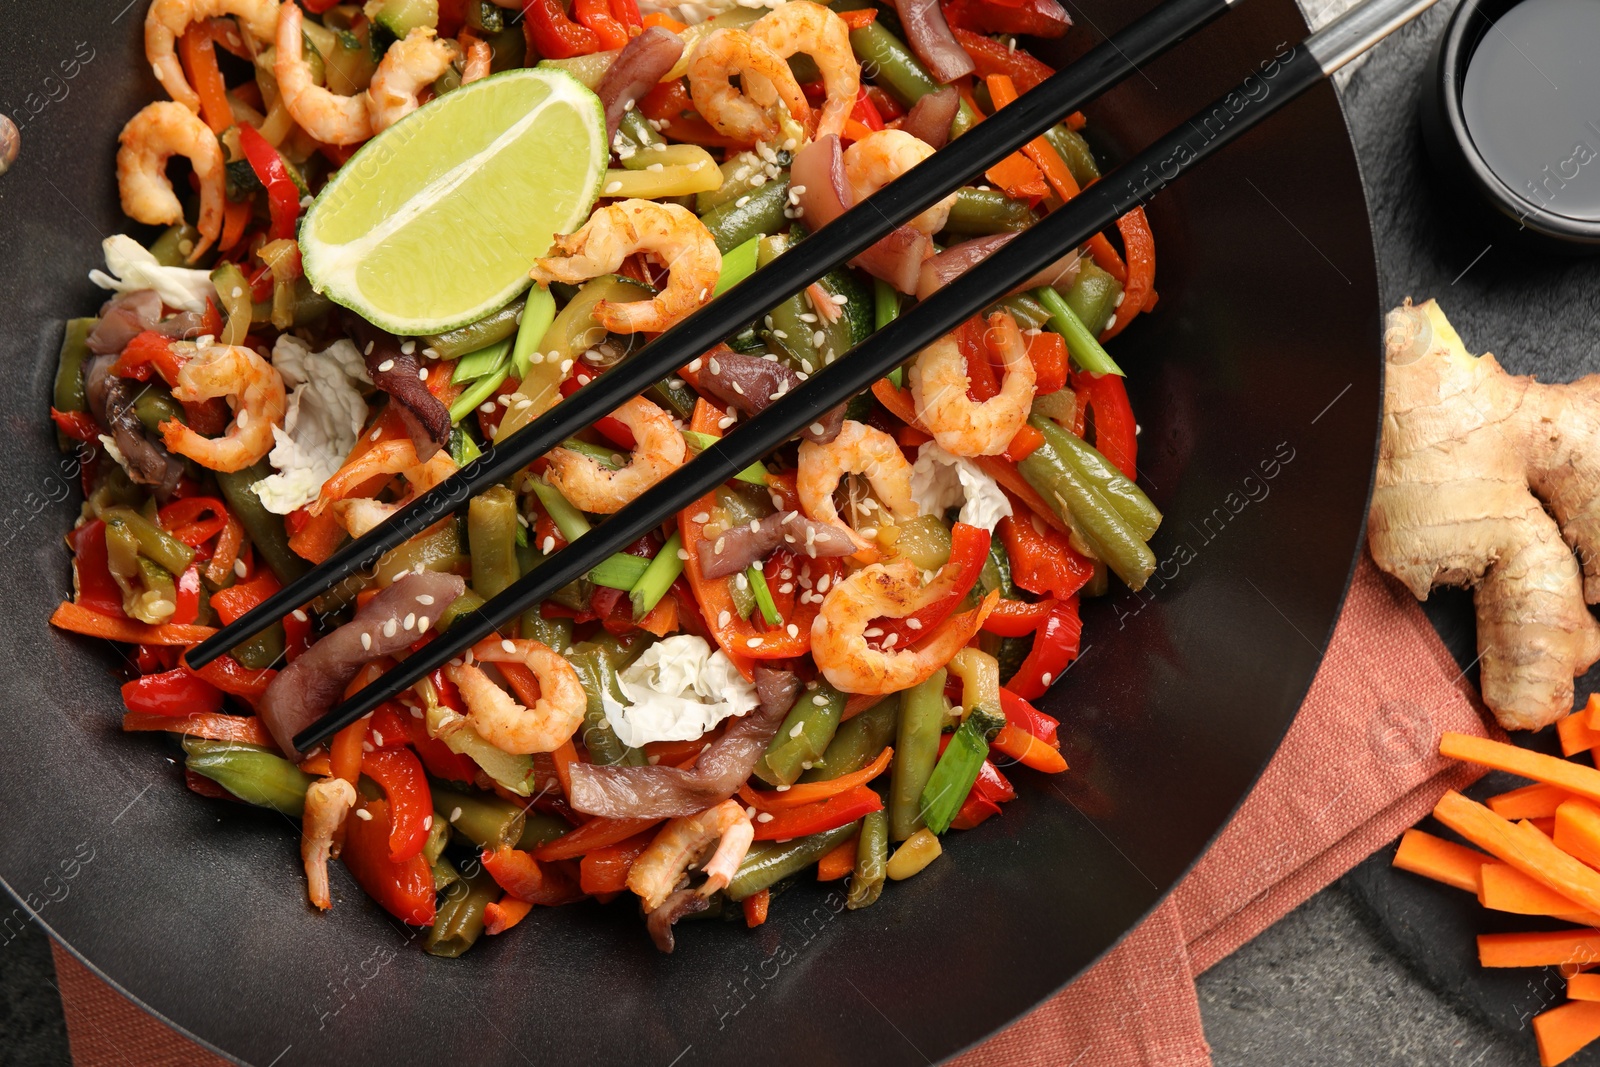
point(400, 774)
point(597, 16)
point(78, 425)
point(1029, 735)
point(234, 678)
point(969, 550)
point(92, 579)
point(1115, 431)
point(605, 870)
point(865, 112)
point(189, 593)
point(1054, 647)
point(1047, 351)
point(405, 888)
point(235, 600)
point(992, 57)
point(1013, 618)
point(146, 352)
point(194, 520)
point(173, 693)
point(594, 834)
point(816, 818)
point(1043, 560)
point(552, 34)
point(627, 13)
point(283, 195)
point(1036, 18)
point(610, 427)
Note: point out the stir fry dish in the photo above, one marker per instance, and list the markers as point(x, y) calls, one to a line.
point(397, 234)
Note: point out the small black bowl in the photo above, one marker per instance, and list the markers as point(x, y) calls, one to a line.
point(1514, 156)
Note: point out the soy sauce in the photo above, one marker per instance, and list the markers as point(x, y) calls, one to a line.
point(1531, 99)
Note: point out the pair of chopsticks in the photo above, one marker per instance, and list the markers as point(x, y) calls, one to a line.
point(1278, 81)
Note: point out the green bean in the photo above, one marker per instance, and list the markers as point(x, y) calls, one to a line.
point(439, 550)
point(638, 132)
point(859, 303)
point(484, 819)
point(1081, 342)
point(154, 542)
point(444, 873)
point(250, 773)
point(894, 67)
point(492, 541)
point(1092, 296)
point(261, 651)
point(537, 314)
point(678, 397)
point(264, 529)
point(872, 856)
point(172, 248)
point(986, 211)
point(496, 326)
point(996, 573)
point(657, 578)
point(769, 862)
point(1029, 313)
point(438, 838)
point(1087, 507)
point(764, 602)
point(509, 48)
point(857, 742)
point(733, 223)
point(458, 923)
point(69, 393)
point(598, 662)
point(740, 177)
point(154, 406)
point(148, 591)
point(485, 17)
point(803, 346)
point(916, 751)
point(483, 362)
point(1074, 152)
point(806, 732)
point(555, 633)
point(1109, 483)
point(541, 828)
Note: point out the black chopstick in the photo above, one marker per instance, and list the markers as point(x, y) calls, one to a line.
point(1282, 79)
point(1029, 116)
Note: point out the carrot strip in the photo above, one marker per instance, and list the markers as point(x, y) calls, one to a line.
point(1443, 861)
point(245, 729)
point(596, 833)
point(1012, 481)
point(1499, 756)
point(91, 623)
point(838, 863)
point(1504, 888)
point(1577, 734)
point(1577, 831)
point(1584, 987)
point(811, 792)
point(1591, 710)
point(234, 218)
point(755, 908)
point(1140, 244)
point(1538, 801)
point(1562, 1031)
point(1539, 948)
point(498, 917)
point(1523, 847)
point(199, 57)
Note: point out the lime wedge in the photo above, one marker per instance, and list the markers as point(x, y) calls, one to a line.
point(436, 221)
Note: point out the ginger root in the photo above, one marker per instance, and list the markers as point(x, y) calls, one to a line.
point(1468, 454)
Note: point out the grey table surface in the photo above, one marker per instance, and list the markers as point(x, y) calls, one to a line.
point(1321, 987)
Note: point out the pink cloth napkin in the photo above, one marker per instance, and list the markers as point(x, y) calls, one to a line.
point(1358, 766)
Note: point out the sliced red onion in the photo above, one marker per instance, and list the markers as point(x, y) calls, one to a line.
point(123, 318)
point(929, 118)
point(394, 370)
point(752, 383)
point(306, 689)
point(659, 922)
point(668, 792)
point(956, 260)
point(111, 400)
point(743, 545)
point(641, 64)
point(930, 38)
point(818, 169)
point(898, 258)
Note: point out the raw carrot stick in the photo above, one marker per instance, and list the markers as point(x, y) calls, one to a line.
point(1564, 1030)
point(1578, 830)
point(1538, 948)
point(1577, 735)
point(1584, 987)
point(1499, 756)
point(1504, 888)
point(838, 863)
point(1443, 861)
point(1537, 801)
point(1523, 847)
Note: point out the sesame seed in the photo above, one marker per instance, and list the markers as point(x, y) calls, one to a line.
point(239, 568)
point(424, 599)
point(794, 631)
point(299, 615)
point(765, 816)
point(377, 739)
point(363, 814)
point(366, 642)
point(422, 623)
point(753, 642)
point(913, 623)
point(422, 374)
point(1048, 677)
point(407, 347)
point(797, 729)
point(455, 813)
point(612, 187)
point(891, 641)
point(391, 628)
point(410, 622)
point(725, 618)
point(507, 645)
point(702, 516)
point(244, 418)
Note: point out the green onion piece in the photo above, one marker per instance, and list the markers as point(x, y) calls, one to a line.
point(537, 315)
point(522, 536)
point(885, 304)
point(755, 474)
point(487, 360)
point(954, 774)
point(568, 519)
point(737, 265)
point(758, 585)
point(657, 578)
point(477, 393)
point(744, 597)
point(463, 449)
point(620, 571)
point(898, 377)
point(1082, 345)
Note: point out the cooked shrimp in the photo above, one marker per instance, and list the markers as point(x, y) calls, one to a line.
point(669, 234)
point(745, 114)
point(360, 514)
point(479, 58)
point(859, 449)
point(407, 67)
point(328, 801)
point(157, 133)
point(322, 113)
point(166, 20)
point(255, 392)
point(506, 724)
point(816, 31)
point(961, 425)
point(658, 451)
point(881, 157)
point(838, 636)
point(656, 872)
